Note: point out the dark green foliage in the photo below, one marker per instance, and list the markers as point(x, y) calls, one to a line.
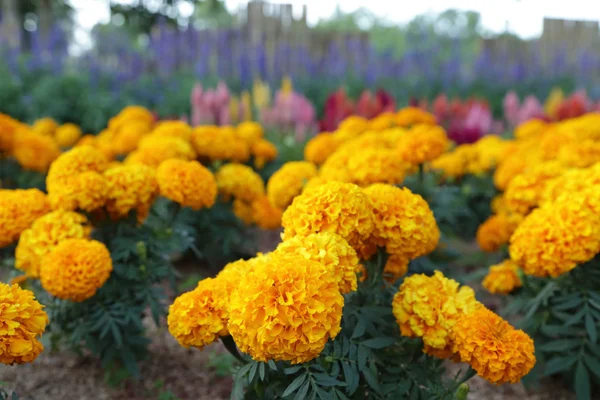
point(368, 359)
point(563, 317)
point(13, 176)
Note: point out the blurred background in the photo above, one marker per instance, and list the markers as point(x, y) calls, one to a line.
point(482, 65)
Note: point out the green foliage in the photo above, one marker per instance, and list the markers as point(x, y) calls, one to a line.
point(223, 364)
point(563, 317)
point(13, 176)
point(368, 358)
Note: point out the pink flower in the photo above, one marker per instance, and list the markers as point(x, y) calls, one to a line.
point(511, 108)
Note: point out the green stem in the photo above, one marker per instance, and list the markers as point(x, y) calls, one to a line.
point(468, 375)
point(232, 348)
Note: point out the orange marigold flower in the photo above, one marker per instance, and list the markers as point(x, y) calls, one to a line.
point(531, 129)
point(335, 207)
point(376, 165)
point(188, 183)
point(497, 351)
point(451, 165)
point(45, 234)
point(9, 128)
point(243, 211)
point(288, 182)
point(580, 154)
point(18, 210)
point(75, 269)
point(430, 306)
point(217, 143)
point(351, 127)
point(265, 214)
point(404, 223)
point(240, 181)
point(329, 249)
point(396, 267)
point(383, 121)
point(130, 187)
point(77, 160)
point(409, 116)
point(67, 135)
point(502, 278)
point(496, 231)
point(423, 143)
point(555, 238)
point(508, 169)
point(320, 147)
point(178, 129)
point(285, 309)
point(86, 191)
point(263, 152)
point(129, 136)
point(22, 321)
point(249, 131)
point(34, 151)
point(153, 150)
point(199, 317)
point(45, 126)
point(129, 114)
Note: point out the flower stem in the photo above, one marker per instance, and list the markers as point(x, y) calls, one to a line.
point(232, 348)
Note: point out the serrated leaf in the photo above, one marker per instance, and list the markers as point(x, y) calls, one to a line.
point(301, 395)
point(379, 343)
point(560, 345)
point(372, 379)
point(363, 353)
point(359, 329)
point(582, 382)
point(296, 383)
point(559, 364)
point(351, 377)
point(590, 327)
point(326, 380)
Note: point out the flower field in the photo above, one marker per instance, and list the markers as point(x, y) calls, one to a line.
point(396, 255)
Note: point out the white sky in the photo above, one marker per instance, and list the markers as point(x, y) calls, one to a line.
point(524, 17)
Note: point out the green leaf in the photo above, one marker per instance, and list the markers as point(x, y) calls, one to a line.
point(359, 329)
point(351, 377)
point(362, 357)
point(577, 317)
point(559, 364)
point(261, 371)
point(301, 395)
point(560, 345)
point(292, 370)
point(593, 363)
point(371, 377)
point(559, 330)
point(340, 395)
point(568, 305)
point(582, 382)
point(379, 343)
point(244, 370)
point(296, 383)
point(238, 390)
point(590, 327)
point(272, 365)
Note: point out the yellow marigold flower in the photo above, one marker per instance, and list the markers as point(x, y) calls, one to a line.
point(430, 306)
point(373, 165)
point(86, 191)
point(404, 223)
point(531, 129)
point(9, 128)
point(351, 127)
point(265, 214)
point(285, 309)
point(233, 272)
point(34, 151)
point(335, 207)
point(75, 269)
point(67, 135)
point(571, 181)
point(22, 320)
point(383, 121)
point(580, 154)
point(320, 147)
point(509, 169)
point(77, 160)
point(555, 238)
point(409, 116)
point(243, 211)
point(288, 182)
point(249, 131)
point(396, 267)
point(497, 351)
point(188, 183)
point(45, 233)
point(153, 150)
point(128, 114)
point(217, 143)
point(524, 192)
point(496, 231)
point(263, 152)
point(314, 182)
point(502, 278)
point(498, 205)
point(18, 210)
point(423, 143)
point(451, 165)
point(489, 150)
point(129, 136)
point(130, 187)
point(45, 126)
point(178, 129)
point(329, 249)
point(240, 181)
point(199, 317)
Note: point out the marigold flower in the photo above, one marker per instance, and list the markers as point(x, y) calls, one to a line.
point(396, 267)
point(77, 160)
point(45, 126)
point(250, 131)
point(67, 135)
point(153, 150)
point(571, 181)
point(265, 214)
point(263, 152)
point(217, 143)
point(9, 129)
point(335, 207)
point(130, 187)
point(288, 182)
point(375, 165)
point(497, 351)
point(285, 309)
point(429, 307)
point(496, 231)
point(383, 121)
point(423, 143)
point(329, 249)
point(233, 272)
point(451, 165)
point(404, 223)
point(22, 320)
point(502, 278)
point(18, 210)
point(178, 129)
point(509, 169)
point(240, 181)
point(129, 136)
point(199, 317)
point(86, 191)
point(320, 147)
point(45, 233)
point(554, 238)
point(409, 116)
point(129, 114)
point(75, 269)
point(531, 129)
point(188, 183)
point(34, 151)
point(243, 211)
point(351, 126)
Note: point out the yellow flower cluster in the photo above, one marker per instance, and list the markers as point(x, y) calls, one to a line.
point(22, 321)
point(44, 235)
point(497, 230)
point(18, 210)
point(9, 128)
point(502, 278)
point(288, 182)
point(75, 269)
point(319, 148)
point(188, 183)
point(239, 181)
point(34, 151)
point(424, 143)
point(130, 187)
